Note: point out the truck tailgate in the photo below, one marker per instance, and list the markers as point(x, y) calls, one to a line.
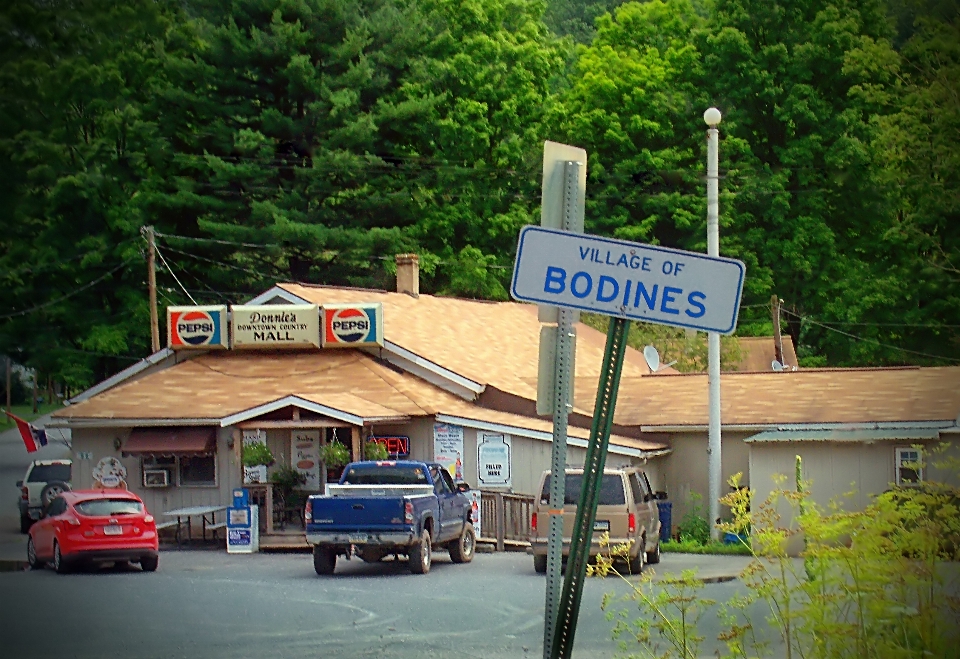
point(346, 513)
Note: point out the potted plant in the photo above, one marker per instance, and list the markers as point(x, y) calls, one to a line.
point(375, 451)
point(334, 456)
point(256, 458)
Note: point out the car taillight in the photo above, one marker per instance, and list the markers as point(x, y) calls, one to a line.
point(72, 521)
point(148, 519)
point(408, 512)
point(24, 493)
point(307, 514)
point(632, 523)
point(533, 521)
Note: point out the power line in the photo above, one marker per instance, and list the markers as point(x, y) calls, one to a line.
point(874, 341)
point(63, 297)
point(170, 270)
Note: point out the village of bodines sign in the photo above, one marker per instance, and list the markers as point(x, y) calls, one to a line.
point(628, 280)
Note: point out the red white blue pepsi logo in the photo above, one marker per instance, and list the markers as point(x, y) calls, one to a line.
point(350, 326)
point(194, 328)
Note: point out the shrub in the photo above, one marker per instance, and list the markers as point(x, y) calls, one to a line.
point(257, 453)
point(334, 455)
point(375, 451)
point(694, 526)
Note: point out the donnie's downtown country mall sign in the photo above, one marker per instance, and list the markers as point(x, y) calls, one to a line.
point(275, 326)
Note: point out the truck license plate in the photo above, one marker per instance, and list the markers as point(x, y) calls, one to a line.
point(357, 538)
point(601, 525)
point(112, 530)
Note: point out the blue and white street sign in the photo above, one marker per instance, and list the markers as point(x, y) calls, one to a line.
point(628, 280)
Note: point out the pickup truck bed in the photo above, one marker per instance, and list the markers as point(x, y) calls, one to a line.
point(383, 508)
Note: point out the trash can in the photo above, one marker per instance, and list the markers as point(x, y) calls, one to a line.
point(666, 519)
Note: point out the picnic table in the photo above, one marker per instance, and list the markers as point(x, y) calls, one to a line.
point(207, 515)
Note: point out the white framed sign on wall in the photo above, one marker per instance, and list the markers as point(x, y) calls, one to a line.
point(493, 460)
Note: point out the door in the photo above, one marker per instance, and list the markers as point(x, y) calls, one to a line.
point(647, 512)
point(450, 502)
point(44, 531)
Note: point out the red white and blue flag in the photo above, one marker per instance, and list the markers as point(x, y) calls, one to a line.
point(33, 437)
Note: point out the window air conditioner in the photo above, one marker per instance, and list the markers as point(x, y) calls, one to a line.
point(156, 478)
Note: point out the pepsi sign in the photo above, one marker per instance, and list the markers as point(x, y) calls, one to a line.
point(196, 327)
point(352, 325)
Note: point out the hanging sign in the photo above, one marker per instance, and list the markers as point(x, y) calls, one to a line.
point(398, 446)
point(110, 474)
point(305, 456)
point(275, 326)
point(352, 325)
point(195, 328)
point(493, 460)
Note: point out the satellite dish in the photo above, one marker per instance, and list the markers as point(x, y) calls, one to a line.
point(653, 358)
point(777, 366)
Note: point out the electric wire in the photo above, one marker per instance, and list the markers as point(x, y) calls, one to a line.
point(172, 274)
point(38, 307)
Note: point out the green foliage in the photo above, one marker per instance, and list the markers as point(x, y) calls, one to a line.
point(375, 451)
point(257, 453)
point(694, 527)
point(696, 547)
point(334, 455)
point(287, 479)
point(667, 612)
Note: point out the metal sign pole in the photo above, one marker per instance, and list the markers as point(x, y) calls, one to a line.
point(568, 608)
point(563, 374)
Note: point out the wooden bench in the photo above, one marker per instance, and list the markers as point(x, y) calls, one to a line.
point(166, 525)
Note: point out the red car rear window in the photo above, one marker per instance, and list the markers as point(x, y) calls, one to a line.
point(109, 507)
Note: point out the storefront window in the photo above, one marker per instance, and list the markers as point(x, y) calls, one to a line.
point(198, 470)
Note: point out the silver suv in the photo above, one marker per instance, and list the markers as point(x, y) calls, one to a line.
point(44, 480)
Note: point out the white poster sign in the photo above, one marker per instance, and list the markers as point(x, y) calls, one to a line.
point(493, 460)
point(275, 326)
point(474, 497)
point(448, 448)
point(305, 456)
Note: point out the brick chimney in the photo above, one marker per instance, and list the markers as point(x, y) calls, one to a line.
point(408, 274)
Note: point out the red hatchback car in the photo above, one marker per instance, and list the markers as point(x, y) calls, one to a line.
point(94, 526)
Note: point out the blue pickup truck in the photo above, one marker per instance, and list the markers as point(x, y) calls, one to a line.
point(399, 508)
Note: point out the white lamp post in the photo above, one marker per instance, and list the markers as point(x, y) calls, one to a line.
point(712, 119)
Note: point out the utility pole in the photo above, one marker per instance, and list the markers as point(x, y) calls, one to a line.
point(152, 288)
point(715, 474)
point(9, 380)
point(777, 336)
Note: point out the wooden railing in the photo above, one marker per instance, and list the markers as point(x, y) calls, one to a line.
point(505, 518)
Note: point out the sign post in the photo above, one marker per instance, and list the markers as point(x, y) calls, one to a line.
point(627, 281)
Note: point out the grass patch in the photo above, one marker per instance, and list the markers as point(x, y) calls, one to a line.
point(694, 547)
point(25, 412)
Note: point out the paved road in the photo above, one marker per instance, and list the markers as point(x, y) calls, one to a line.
point(214, 605)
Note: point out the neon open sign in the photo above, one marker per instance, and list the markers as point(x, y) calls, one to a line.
point(398, 446)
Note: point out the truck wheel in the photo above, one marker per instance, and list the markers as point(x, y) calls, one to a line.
point(540, 563)
point(653, 557)
point(420, 554)
point(636, 563)
point(461, 549)
point(324, 560)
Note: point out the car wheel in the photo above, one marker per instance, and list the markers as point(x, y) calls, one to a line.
point(35, 563)
point(540, 563)
point(52, 490)
point(324, 560)
point(420, 554)
point(149, 563)
point(59, 563)
point(25, 523)
point(653, 557)
point(462, 549)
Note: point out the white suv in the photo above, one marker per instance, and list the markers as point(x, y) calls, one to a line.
point(44, 480)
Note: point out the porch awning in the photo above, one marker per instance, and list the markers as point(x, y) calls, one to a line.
point(171, 441)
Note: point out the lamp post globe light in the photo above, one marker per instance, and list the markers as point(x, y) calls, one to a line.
point(712, 119)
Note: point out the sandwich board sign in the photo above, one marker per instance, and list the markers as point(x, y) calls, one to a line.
point(628, 280)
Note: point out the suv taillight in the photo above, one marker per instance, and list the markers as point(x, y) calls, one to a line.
point(631, 523)
point(533, 522)
point(24, 493)
point(307, 513)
